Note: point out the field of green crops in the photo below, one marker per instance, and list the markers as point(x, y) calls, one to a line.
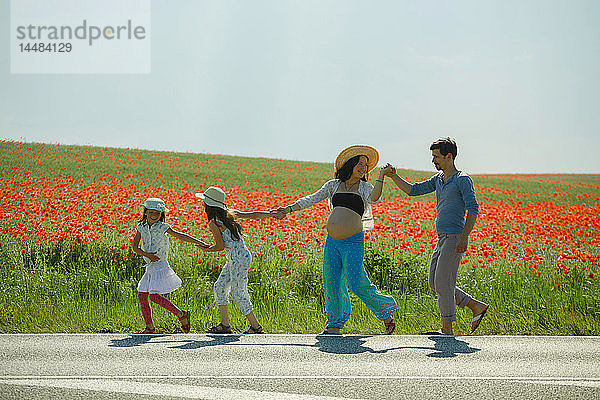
point(69, 213)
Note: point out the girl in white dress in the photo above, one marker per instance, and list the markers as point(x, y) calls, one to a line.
point(159, 277)
point(233, 279)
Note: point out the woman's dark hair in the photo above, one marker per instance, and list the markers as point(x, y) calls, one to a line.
point(345, 171)
point(143, 219)
point(218, 214)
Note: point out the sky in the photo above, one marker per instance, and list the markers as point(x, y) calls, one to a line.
point(515, 83)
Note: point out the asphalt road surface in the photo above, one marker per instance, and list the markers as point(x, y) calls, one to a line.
point(298, 367)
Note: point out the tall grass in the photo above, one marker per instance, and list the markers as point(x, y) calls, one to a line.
point(91, 288)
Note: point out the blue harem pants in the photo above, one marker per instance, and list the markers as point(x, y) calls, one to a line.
point(343, 268)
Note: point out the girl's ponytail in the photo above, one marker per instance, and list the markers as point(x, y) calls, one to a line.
point(225, 217)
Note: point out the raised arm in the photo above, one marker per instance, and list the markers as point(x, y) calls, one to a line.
point(401, 183)
point(378, 186)
point(184, 237)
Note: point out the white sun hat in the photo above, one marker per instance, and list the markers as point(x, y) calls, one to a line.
point(214, 197)
point(154, 203)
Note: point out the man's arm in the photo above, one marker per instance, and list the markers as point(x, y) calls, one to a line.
point(463, 240)
point(401, 183)
point(467, 190)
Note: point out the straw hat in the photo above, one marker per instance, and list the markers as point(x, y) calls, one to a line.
point(358, 150)
point(214, 197)
point(154, 203)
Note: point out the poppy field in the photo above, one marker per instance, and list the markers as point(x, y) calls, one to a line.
point(68, 217)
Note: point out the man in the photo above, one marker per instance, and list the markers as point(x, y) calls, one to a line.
point(455, 195)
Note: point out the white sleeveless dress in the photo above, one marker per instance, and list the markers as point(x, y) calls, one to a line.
point(159, 276)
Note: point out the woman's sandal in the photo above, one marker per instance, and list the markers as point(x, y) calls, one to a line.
point(390, 326)
point(146, 331)
point(253, 330)
point(185, 321)
point(222, 329)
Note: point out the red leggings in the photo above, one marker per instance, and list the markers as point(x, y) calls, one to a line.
point(158, 299)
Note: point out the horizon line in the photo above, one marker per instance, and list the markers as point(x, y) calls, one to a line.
point(279, 158)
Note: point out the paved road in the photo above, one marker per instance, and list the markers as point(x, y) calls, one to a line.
point(298, 367)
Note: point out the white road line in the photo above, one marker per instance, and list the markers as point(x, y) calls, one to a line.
point(162, 389)
point(563, 382)
point(119, 385)
point(528, 379)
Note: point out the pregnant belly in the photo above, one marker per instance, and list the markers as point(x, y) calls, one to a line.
point(343, 223)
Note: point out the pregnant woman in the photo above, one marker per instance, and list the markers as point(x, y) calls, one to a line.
point(350, 197)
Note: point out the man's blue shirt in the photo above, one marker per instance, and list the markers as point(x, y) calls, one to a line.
point(454, 197)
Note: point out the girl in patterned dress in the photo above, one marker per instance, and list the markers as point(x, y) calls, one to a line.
point(233, 279)
point(159, 278)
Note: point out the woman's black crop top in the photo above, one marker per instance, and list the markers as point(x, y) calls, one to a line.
point(352, 201)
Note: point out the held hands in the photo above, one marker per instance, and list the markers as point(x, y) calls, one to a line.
point(389, 169)
point(279, 212)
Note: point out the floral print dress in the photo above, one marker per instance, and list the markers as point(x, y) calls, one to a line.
point(234, 275)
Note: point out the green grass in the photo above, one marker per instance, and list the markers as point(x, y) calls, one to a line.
point(89, 287)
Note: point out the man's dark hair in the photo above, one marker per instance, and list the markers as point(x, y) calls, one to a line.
point(445, 145)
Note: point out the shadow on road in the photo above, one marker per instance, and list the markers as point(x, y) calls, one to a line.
point(133, 340)
point(449, 346)
point(138, 340)
point(217, 340)
point(444, 347)
point(352, 345)
point(343, 344)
